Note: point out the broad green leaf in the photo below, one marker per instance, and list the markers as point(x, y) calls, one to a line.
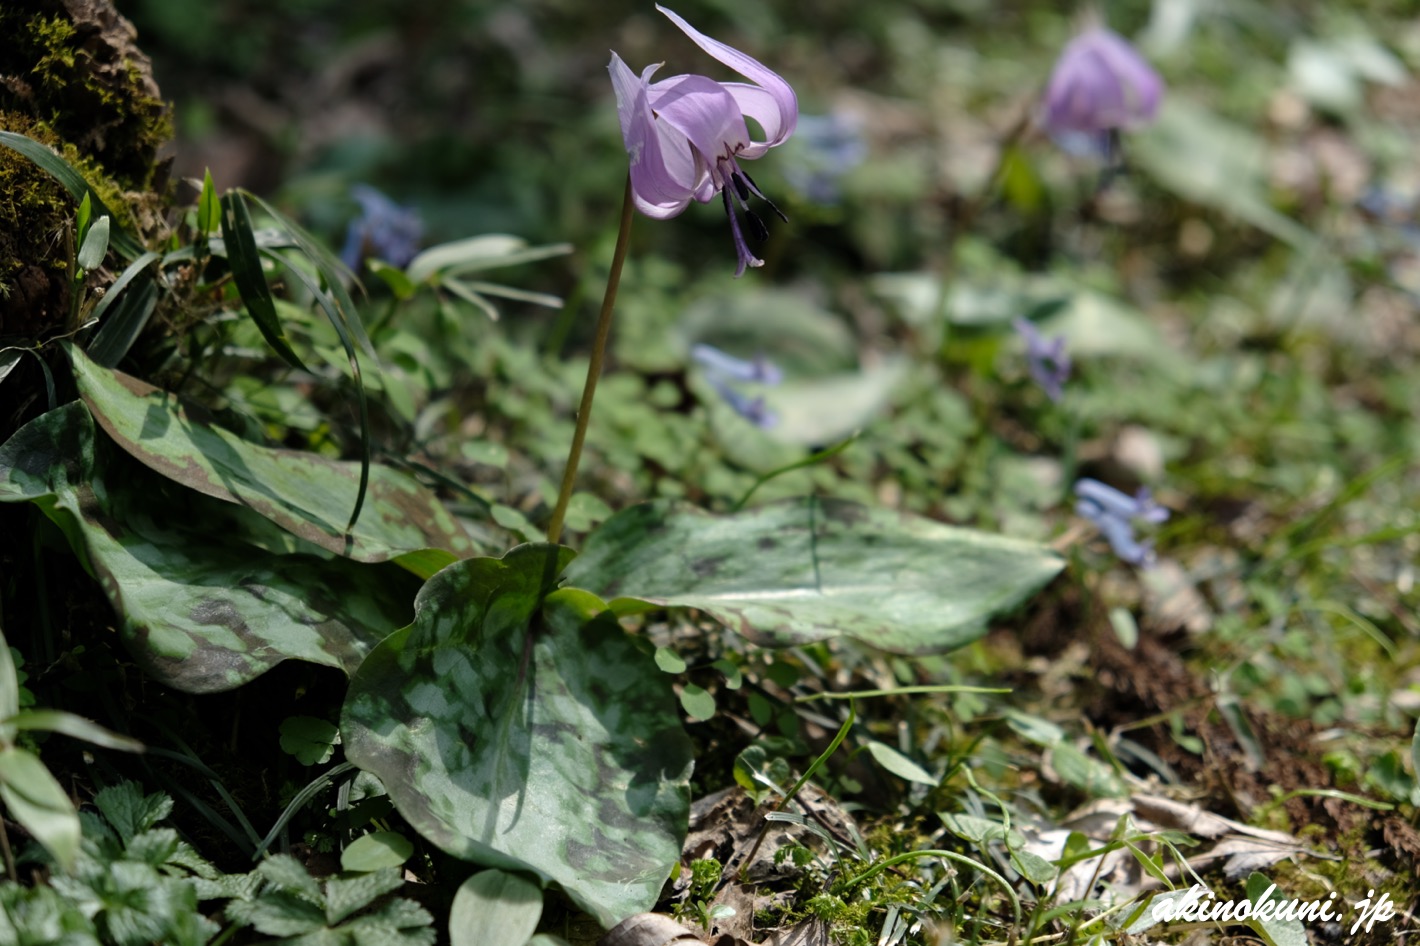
point(376, 851)
point(1205, 159)
point(312, 741)
point(494, 906)
point(1275, 932)
point(1033, 867)
point(76, 727)
point(899, 764)
point(972, 828)
point(697, 702)
point(10, 684)
point(205, 604)
point(816, 411)
point(807, 570)
point(394, 277)
point(242, 255)
point(62, 171)
point(308, 495)
point(36, 800)
point(527, 734)
point(95, 246)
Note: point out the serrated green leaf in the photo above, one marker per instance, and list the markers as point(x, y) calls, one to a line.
point(129, 811)
point(37, 801)
point(494, 906)
point(346, 895)
point(153, 847)
point(205, 605)
point(95, 247)
point(899, 764)
point(807, 570)
point(307, 495)
point(376, 851)
point(278, 913)
point(245, 260)
point(287, 874)
point(527, 734)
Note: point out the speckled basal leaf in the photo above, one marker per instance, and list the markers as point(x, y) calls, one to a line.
point(527, 734)
point(206, 604)
point(306, 494)
point(808, 569)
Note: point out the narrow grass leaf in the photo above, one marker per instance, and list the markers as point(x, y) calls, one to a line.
point(242, 256)
point(62, 171)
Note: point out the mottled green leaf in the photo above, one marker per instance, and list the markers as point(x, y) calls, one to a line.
point(205, 605)
point(308, 495)
point(806, 570)
point(38, 802)
point(527, 734)
point(494, 906)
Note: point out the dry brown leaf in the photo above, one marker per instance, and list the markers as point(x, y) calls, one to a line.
point(649, 929)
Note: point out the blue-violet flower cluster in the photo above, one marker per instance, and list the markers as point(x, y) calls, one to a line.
point(384, 230)
point(1113, 513)
point(687, 134)
point(1048, 362)
point(722, 369)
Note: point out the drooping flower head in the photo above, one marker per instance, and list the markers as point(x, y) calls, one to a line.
point(1100, 86)
point(1113, 513)
point(1048, 362)
point(384, 229)
point(687, 134)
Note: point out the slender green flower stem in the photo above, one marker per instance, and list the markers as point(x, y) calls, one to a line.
point(594, 369)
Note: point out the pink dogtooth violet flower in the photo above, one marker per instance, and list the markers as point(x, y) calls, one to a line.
point(686, 135)
point(1100, 86)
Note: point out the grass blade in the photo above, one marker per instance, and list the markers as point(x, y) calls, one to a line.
point(243, 257)
point(47, 160)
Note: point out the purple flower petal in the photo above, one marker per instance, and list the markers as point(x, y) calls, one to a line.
point(771, 102)
point(1100, 83)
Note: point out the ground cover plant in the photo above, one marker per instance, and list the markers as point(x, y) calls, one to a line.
point(993, 522)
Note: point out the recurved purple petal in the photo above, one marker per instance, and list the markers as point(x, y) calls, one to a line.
point(704, 112)
point(664, 175)
point(772, 102)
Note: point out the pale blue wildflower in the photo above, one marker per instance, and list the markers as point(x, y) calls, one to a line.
point(1048, 362)
point(722, 368)
point(831, 146)
point(384, 230)
point(1113, 513)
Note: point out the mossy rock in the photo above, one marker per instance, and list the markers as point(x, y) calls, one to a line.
point(71, 77)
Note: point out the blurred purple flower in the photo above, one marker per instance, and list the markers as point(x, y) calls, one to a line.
point(1100, 86)
point(722, 368)
point(1048, 362)
point(686, 135)
point(759, 371)
point(384, 230)
point(1113, 513)
point(830, 146)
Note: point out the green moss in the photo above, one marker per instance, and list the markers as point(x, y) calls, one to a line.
point(89, 83)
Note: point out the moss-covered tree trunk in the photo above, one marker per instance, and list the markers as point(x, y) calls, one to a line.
point(71, 76)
